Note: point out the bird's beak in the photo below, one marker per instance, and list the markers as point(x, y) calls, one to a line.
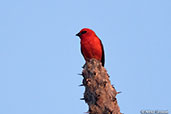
point(78, 34)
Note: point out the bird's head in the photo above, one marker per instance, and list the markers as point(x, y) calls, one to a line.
point(85, 32)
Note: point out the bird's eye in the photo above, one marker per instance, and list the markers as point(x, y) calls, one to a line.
point(83, 32)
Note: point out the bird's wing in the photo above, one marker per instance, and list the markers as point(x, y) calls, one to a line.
point(103, 54)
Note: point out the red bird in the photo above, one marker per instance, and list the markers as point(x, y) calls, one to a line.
point(91, 45)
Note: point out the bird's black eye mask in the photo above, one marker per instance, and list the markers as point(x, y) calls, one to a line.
point(80, 33)
point(83, 32)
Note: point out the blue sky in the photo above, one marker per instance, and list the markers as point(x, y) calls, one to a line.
point(40, 54)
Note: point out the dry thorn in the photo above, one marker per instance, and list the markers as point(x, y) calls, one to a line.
point(81, 85)
point(82, 99)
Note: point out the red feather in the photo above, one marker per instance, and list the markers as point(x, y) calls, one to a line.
point(91, 45)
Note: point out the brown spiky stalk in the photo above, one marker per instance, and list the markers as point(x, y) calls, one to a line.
point(99, 94)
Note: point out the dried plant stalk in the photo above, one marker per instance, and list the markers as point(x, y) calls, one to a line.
point(99, 94)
